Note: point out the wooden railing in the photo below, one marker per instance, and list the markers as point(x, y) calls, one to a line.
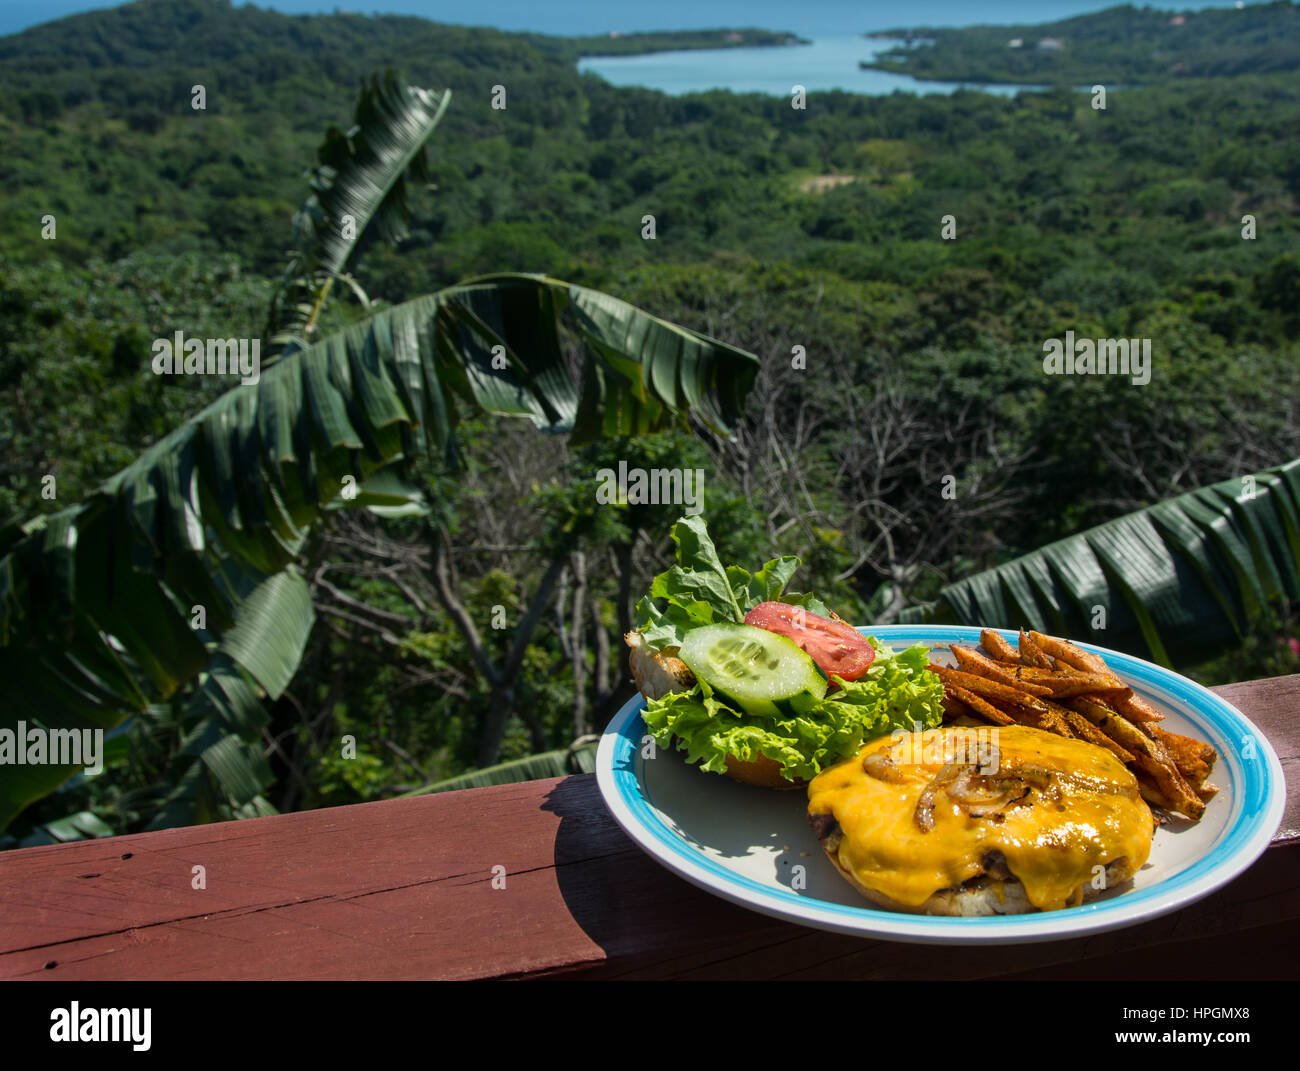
point(405, 889)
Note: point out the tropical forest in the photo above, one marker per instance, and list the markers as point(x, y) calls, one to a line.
point(458, 292)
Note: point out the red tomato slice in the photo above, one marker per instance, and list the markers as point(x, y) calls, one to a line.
point(836, 647)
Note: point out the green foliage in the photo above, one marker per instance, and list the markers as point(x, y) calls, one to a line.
point(1123, 223)
point(1125, 44)
point(92, 598)
point(89, 597)
point(78, 399)
point(355, 778)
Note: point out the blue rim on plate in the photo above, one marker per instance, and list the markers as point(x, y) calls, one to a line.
point(1247, 767)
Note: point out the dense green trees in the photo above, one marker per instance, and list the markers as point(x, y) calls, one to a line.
point(921, 357)
point(1122, 44)
point(173, 596)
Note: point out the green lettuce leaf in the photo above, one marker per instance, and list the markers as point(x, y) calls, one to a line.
point(700, 591)
point(897, 692)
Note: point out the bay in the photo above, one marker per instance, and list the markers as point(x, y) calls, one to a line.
point(826, 63)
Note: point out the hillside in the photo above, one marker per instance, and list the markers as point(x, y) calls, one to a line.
point(824, 230)
point(1127, 45)
point(1063, 211)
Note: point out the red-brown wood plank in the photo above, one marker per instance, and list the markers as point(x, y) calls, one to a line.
point(1274, 706)
point(394, 889)
point(403, 889)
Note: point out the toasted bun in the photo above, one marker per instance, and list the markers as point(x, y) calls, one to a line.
point(761, 771)
point(659, 674)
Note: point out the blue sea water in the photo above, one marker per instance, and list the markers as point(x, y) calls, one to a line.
point(811, 18)
point(826, 63)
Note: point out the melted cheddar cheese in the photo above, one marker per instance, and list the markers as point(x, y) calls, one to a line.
point(1052, 841)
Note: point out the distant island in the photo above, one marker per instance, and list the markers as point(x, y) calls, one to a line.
point(616, 43)
point(1121, 44)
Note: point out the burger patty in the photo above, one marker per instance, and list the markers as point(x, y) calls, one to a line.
point(823, 826)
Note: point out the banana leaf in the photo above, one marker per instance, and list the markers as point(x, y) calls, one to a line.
point(1176, 582)
point(363, 177)
point(577, 758)
point(98, 603)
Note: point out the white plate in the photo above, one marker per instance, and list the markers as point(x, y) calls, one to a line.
point(748, 844)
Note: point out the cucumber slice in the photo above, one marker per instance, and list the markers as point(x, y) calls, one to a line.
point(760, 672)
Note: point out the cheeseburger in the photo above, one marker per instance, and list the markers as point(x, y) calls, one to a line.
point(995, 821)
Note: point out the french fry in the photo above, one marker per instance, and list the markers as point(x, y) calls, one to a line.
point(1106, 680)
point(1180, 795)
point(1046, 720)
point(1053, 721)
point(1051, 684)
point(953, 707)
point(1030, 653)
point(1187, 758)
point(1150, 755)
point(1135, 708)
point(1132, 706)
point(972, 661)
point(1171, 783)
point(1068, 684)
point(1085, 730)
point(1098, 707)
point(990, 689)
point(1070, 654)
point(1194, 771)
point(1152, 794)
point(998, 648)
point(981, 707)
point(1183, 744)
point(1116, 726)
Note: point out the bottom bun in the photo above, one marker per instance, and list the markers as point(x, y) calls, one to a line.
point(976, 899)
point(761, 771)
